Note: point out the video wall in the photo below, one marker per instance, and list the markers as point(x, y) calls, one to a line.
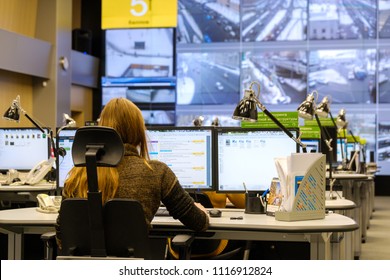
point(291, 47)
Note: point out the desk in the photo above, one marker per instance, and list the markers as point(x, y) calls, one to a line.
point(24, 193)
point(17, 222)
point(345, 207)
point(356, 187)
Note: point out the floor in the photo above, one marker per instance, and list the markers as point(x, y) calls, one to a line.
point(377, 245)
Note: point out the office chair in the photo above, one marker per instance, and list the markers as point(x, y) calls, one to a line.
point(90, 229)
point(185, 246)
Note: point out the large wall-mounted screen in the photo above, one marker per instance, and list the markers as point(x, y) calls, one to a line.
point(208, 78)
point(330, 20)
point(347, 76)
point(274, 20)
point(338, 48)
point(208, 21)
point(139, 52)
point(282, 75)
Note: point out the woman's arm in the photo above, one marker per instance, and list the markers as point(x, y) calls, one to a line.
point(181, 206)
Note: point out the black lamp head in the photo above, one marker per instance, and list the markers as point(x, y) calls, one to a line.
point(341, 120)
point(323, 108)
point(216, 122)
point(246, 109)
point(307, 108)
point(13, 112)
point(198, 121)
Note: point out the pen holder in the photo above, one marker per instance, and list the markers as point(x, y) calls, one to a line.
point(254, 204)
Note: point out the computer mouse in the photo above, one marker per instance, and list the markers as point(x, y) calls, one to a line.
point(215, 213)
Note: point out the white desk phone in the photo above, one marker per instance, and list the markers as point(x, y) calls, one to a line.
point(39, 171)
point(48, 204)
point(33, 177)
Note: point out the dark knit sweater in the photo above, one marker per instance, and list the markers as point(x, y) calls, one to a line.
point(150, 187)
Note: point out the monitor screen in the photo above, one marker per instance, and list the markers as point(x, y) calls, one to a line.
point(345, 75)
point(65, 163)
point(188, 151)
point(147, 52)
point(22, 148)
point(155, 97)
point(312, 145)
point(247, 156)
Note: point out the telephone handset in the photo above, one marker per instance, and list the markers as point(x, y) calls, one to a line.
point(39, 171)
point(47, 203)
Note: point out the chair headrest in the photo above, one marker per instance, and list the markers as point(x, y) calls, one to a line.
point(106, 140)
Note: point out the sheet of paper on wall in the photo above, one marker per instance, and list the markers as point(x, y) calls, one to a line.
point(291, 171)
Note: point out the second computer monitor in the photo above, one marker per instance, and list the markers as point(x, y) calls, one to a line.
point(247, 156)
point(188, 151)
point(22, 148)
point(65, 140)
point(312, 145)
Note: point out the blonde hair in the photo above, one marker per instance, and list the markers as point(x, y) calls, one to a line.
point(126, 118)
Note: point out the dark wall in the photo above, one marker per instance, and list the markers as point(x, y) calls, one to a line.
point(382, 186)
point(91, 11)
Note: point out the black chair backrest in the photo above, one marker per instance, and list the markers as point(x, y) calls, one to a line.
point(93, 147)
point(126, 229)
point(118, 228)
point(106, 138)
point(75, 231)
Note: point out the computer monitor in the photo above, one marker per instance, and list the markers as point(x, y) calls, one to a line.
point(312, 145)
point(246, 155)
point(65, 140)
point(188, 151)
point(23, 148)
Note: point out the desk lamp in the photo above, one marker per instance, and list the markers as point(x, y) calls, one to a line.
point(307, 110)
point(13, 114)
point(198, 121)
point(323, 110)
point(68, 122)
point(216, 122)
point(355, 157)
point(341, 120)
point(342, 124)
point(247, 110)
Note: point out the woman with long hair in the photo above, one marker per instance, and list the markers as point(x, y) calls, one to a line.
point(136, 176)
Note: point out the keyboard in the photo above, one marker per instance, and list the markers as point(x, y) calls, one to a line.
point(162, 212)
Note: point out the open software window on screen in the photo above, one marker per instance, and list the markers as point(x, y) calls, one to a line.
point(22, 148)
point(247, 156)
point(187, 151)
point(65, 140)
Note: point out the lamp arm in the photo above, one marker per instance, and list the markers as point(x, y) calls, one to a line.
point(43, 131)
point(353, 136)
point(34, 122)
point(341, 142)
point(328, 141)
point(360, 146)
point(281, 126)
